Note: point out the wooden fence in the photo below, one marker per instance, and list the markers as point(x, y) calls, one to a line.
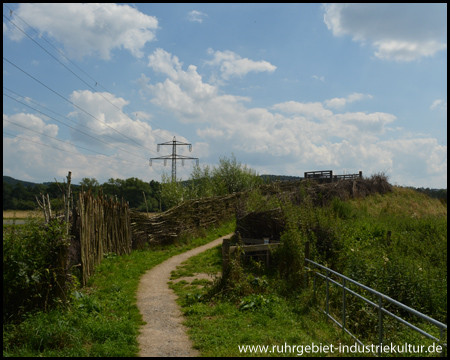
point(327, 176)
point(104, 227)
point(184, 219)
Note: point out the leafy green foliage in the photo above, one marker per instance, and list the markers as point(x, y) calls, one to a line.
point(100, 320)
point(400, 255)
point(228, 177)
point(257, 301)
point(21, 197)
point(218, 324)
point(32, 276)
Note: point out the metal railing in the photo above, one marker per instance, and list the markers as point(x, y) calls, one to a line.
point(381, 310)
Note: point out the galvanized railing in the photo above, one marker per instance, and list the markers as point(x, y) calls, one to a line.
point(381, 310)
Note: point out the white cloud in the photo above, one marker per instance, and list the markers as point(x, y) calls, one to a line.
point(88, 29)
point(402, 32)
point(29, 121)
point(29, 152)
point(341, 102)
point(419, 160)
point(106, 121)
point(291, 137)
point(163, 62)
point(184, 93)
point(232, 65)
point(441, 104)
point(321, 78)
point(310, 110)
point(196, 16)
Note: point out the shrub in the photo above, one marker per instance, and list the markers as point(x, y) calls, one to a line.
point(33, 267)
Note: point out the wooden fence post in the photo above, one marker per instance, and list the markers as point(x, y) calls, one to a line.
point(67, 204)
point(145, 203)
point(49, 208)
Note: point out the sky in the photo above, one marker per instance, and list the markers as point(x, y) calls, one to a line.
point(285, 88)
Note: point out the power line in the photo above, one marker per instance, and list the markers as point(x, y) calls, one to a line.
point(66, 142)
point(41, 36)
point(67, 151)
point(46, 108)
point(71, 152)
point(68, 126)
point(82, 132)
point(55, 92)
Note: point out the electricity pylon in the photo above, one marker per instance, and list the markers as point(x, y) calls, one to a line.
point(174, 156)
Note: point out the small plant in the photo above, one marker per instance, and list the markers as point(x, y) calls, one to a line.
point(257, 301)
point(193, 298)
point(342, 209)
point(86, 303)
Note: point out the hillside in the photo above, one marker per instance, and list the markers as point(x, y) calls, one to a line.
point(401, 202)
point(11, 181)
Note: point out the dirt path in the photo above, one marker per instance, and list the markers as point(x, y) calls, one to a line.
point(164, 334)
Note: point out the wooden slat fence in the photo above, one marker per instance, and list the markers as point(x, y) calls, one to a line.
point(327, 176)
point(104, 227)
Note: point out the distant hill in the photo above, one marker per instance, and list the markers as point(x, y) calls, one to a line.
point(11, 181)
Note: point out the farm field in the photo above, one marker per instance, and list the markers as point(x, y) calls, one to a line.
point(21, 214)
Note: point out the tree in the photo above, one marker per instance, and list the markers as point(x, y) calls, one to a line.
point(200, 183)
point(232, 177)
point(172, 192)
point(7, 196)
point(90, 184)
point(132, 191)
point(229, 177)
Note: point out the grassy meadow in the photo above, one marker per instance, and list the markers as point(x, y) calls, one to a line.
point(252, 305)
point(266, 307)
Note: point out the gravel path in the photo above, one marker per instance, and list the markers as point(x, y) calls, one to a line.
point(164, 334)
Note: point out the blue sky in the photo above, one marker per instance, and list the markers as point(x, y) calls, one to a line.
point(286, 88)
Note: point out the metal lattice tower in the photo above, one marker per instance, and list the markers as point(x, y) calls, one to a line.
point(174, 156)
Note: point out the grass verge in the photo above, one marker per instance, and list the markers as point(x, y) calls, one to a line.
point(220, 327)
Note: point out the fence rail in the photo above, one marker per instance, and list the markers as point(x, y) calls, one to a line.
point(327, 176)
point(381, 309)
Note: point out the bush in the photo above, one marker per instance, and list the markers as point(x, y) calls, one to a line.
point(33, 267)
point(229, 177)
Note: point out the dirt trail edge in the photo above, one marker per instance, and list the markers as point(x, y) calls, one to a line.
point(164, 334)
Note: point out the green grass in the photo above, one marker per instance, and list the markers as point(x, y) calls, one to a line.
point(218, 327)
point(102, 319)
point(410, 267)
point(208, 262)
point(263, 309)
